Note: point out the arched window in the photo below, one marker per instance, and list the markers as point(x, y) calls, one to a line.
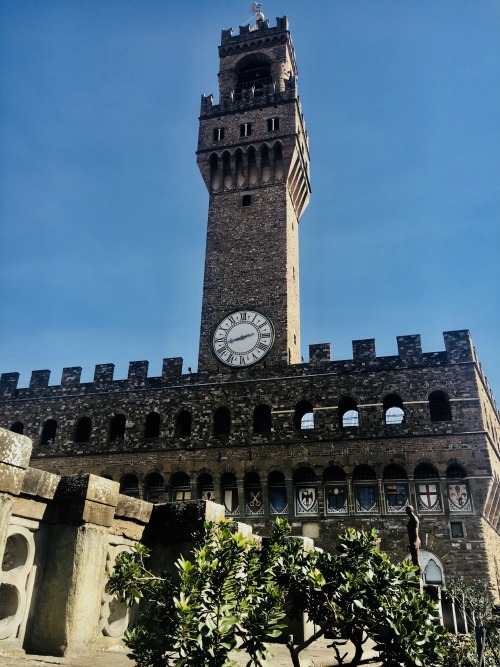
point(253, 495)
point(278, 502)
point(459, 496)
point(396, 489)
point(117, 428)
point(304, 416)
point(227, 172)
point(230, 494)
point(265, 164)
point(439, 407)
point(17, 427)
point(432, 568)
point(183, 424)
point(154, 488)
point(181, 487)
point(427, 488)
point(48, 435)
point(348, 413)
point(214, 172)
point(253, 72)
point(82, 430)
point(393, 409)
point(365, 490)
point(129, 486)
point(335, 491)
point(278, 162)
point(253, 174)
point(206, 487)
point(240, 172)
point(306, 492)
point(152, 425)
point(262, 419)
point(222, 421)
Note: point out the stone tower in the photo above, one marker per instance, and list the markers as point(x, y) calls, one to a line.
point(254, 158)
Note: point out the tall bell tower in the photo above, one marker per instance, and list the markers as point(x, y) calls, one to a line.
point(254, 158)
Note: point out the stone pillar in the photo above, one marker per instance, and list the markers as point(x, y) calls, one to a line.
point(69, 599)
point(15, 452)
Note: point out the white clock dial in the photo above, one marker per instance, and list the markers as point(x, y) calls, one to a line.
point(243, 338)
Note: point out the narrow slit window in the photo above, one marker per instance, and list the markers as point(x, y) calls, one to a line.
point(246, 200)
point(218, 134)
point(245, 129)
point(273, 124)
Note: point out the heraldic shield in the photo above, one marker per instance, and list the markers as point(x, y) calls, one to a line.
point(255, 504)
point(231, 501)
point(429, 499)
point(459, 497)
point(366, 499)
point(307, 500)
point(278, 501)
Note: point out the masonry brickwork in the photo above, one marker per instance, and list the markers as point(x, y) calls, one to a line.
point(325, 443)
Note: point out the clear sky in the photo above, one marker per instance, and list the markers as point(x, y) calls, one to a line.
point(103, 211)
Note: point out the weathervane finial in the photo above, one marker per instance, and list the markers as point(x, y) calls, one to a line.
point(256, 8)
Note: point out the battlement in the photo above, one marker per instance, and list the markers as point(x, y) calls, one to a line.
point(458, 349)
point(251, 32)
point(268, 95)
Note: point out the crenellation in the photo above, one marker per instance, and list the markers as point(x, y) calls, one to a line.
point(319, 352)
point(172, 369)
point(39, 380)
point(103, 374)
point(458, 346)
point(71, 376)
point(137, 373)
point(8, 384)
point(364, 350)
point(410, 349)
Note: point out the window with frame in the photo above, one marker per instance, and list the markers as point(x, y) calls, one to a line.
point(245, 129)
point(273, 124)
point(335, 491)
point(218, 133)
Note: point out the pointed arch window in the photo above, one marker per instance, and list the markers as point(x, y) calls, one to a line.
point(83, 428)
point(335, 491)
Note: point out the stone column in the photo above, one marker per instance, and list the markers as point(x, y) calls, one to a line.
point(15, 452)
point(69, 599)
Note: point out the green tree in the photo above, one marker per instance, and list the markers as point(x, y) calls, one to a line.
point(359, 594)
point(226, 597)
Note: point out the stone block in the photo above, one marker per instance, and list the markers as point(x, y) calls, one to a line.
point(31, 509)
point(410, 349)
point(126, 528)
point(133, 508)
point(39, 379)
point(15, 449)
point(40, 483)
point(319, 352)
point(363, 350)
point(71, 376)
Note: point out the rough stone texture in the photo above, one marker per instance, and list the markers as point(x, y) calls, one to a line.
point(70, 597)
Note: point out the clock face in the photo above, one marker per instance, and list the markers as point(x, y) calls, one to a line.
point(243, 338)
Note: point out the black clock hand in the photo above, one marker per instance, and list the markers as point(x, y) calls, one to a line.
point(235, 340)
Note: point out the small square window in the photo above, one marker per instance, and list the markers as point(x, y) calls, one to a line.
point(246, 200)
point(218, 134)
point(273, 124)
point(457, 529)
point(245, 129)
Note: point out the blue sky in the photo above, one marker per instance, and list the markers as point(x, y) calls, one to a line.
point(103, 211)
